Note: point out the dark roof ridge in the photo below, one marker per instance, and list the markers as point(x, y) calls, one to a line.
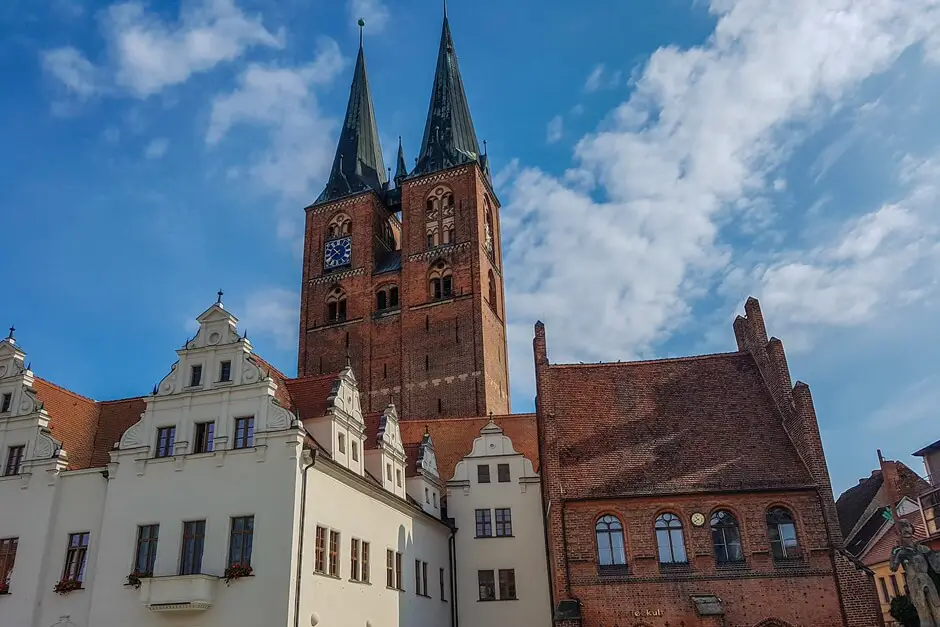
point(464, 418)
point(653, 361)
point(67, 391)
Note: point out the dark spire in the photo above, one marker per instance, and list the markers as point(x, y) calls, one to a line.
point(220, 293)
point(401, 170)
point(449, 137)
point(358, 165)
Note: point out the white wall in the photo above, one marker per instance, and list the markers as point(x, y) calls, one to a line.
point(338, 500)
point(524, 552)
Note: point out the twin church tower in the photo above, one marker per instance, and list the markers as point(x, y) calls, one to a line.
point(403, 278)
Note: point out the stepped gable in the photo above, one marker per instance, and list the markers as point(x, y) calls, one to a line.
point(693, 424)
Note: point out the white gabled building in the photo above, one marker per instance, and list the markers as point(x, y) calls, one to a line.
point(143, 505)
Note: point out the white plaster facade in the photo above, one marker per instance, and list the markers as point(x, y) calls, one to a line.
point(494, 548)
point(290, 476)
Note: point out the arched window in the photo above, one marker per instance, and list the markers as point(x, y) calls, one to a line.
point(439, 217)
point(336, 305)
point(493, 294)
point(781, 531)
point(670, 539)
point(339, 226)
point(726, 538)
point(610, 547)
point(386, 298)
point(440, 281)
point(488, 227)
point(432, 237)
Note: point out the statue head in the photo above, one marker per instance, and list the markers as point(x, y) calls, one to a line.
point(905, 529)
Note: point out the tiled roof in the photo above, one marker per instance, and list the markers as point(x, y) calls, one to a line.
point(73, 421)
point(114, 418)
point(703, 423)
point(411, 454)
point(453, 437)
point(388, 262)
point(881, 550)
point(282, 395)
point(857, 543)
point(852, 503)
point(308, 395)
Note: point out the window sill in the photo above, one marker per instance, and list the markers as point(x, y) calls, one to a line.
point(675, 567)
point(492, 537)
point(361, 583)
point(730, 565)
point(613, 570)
point(190, 388)
point(327, 575)
point(394, 589)
point(496, 600)
point(229, 382)
point(426, 596)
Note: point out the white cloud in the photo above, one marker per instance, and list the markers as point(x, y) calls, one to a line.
point(274, 312)
point(555, 130)
point(148, 54)
point(616, 267)
point(157, 148)
point(301, 141)
point(374, 12)
point(593, 82)
point(73, 70)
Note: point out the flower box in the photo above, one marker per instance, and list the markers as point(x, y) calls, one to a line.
point(134, 578)
point(4, 587)
point(67, 585)
point(236, 571)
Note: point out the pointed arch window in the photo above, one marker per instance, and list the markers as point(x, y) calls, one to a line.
point(439, 217)
point(340, 226)
point(493, 292)
point(781, 531)
point(726, 538)
point(386, 298)
point(610, 545)
point(670, 539)
point(440, 281)
point(336, 305)
point(489, 230)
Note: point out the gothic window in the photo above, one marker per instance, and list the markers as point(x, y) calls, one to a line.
point(336, 305)
point(726, 538)
point(488, 230)
point(670, 539)
point(339, 226)
point(386, 298)
point(492, 282)
point(439, 217)
point(441, 281)
point(610, 546)
point(781, 531)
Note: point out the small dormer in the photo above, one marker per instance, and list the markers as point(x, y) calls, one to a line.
point(385, 454)
point(342, 430)
point(423, 480)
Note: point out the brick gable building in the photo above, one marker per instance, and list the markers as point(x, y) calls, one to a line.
point(691, 491)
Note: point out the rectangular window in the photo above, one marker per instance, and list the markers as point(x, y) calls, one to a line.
point(342, 443)
point(894, 585)
point(390, 568)
point(205, 436)
point(7, 557)
point(14, 460)
point(443, 597)
point(483, 473)
point(194, 541)
point(241, 540)
point(225, 371)
point(166, 438)
point(487, 585)
point(354, 559)
point(424, 579)
point(195, 375)
point(75, 556)
point(503, 522)
point(507, 584)
point(334, 553)
point(484, 523)
point(321, 550)
point(399, 580)
point(434, 498)
point(146, 548)
point(502, 473)
point(447, 284)
point(355, 451)
point(418, 577)
point(244, 432)
point(884, 590)
point(388, 472)
point(398, 476)
point(366, 574)
point(6, 402)
point(427, 496)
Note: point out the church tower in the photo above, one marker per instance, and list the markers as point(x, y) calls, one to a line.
point(404, 277)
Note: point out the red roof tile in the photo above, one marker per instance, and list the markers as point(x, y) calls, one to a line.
point(453, 438)
point(114, 418)
point(670, 426)
point(308, 395)
point(73, 421)
point(282, 395)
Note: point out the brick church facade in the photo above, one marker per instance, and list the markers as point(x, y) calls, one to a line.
point(678, 492)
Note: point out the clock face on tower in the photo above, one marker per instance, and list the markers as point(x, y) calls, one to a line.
point(337, 252)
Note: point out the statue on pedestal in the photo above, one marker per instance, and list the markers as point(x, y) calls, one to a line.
point(917, 561)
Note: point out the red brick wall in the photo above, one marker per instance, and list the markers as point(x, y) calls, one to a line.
point(432, 358)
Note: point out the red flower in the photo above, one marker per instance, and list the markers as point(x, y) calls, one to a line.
point(4, 587)
point(67, 585)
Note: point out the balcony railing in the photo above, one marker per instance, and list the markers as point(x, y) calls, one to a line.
point(178, 593)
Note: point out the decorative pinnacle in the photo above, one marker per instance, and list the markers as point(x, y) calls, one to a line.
point(12, 331)
point(347, 359)
point(220, 293)
point(445, 9)
point(362, 24)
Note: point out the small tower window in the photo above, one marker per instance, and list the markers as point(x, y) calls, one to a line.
point(393, 296)
point(492, 282)
point(225, 371)
point(339, 226)
point(381, 300)
point(195, 375)
point(440, 281)
point(386, 298)
point(336, 305)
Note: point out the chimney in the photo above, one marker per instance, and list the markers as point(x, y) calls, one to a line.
point(892, 481)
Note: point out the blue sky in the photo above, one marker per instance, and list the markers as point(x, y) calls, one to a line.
point(658, 162)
